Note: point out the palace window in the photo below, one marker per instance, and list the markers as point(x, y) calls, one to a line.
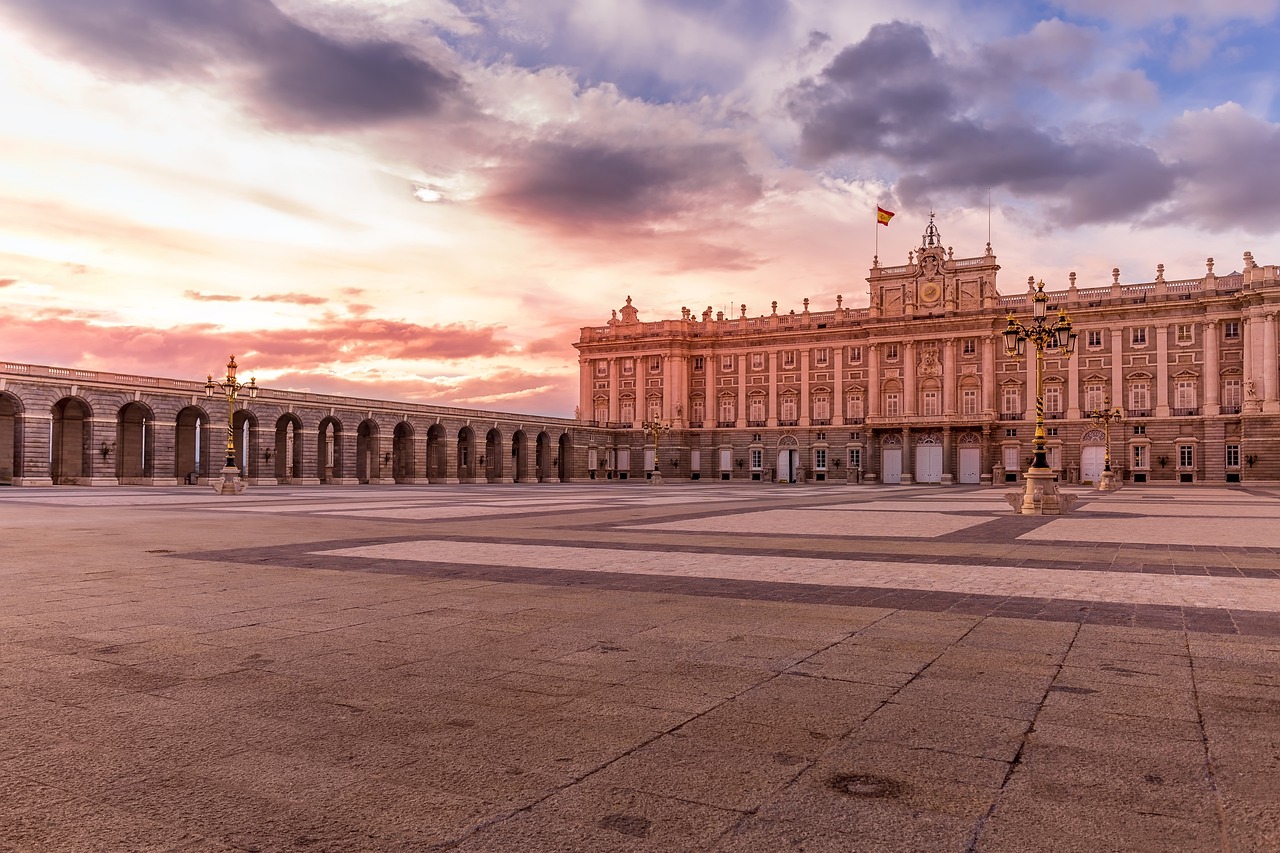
point(654, 408)
point(1140, 429)
point(655, 364)
point(1053, 399)
point(1139, 397)
point(822, 357)
point(1233, 455)
point(1093, 394)
point(757, 459)
point(1140, 456)
point(929, 404)
point(757, 361)
point(969, 346)
point(789, 358)
point(627, 410)
point(697, 411)
point(890, 352)
point(1186, 455)
point(755, 410)
point(892, 404)
point(1184, 394)
point(789, 408)
point(969, 401)
point(728, 411)
point(601, 411)
point(697, 362)
point(1011, 400)
point(726, 363)
point(628, 366)
point(1231, 396)
point(1138, 336)
point(821, 407)
point(855, 355)
point(1231, 330)
point(1093, 339)
point(853, 407)
point(1186, 333)
point(602, 368)
point(855, 458)
point(819, 459)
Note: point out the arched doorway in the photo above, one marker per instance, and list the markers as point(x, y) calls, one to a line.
point(368, 463)
point(71, 456)
point(970, 458)
point(493, 456)
point(329, 450)
point(402, 467)
point(437, 455)
point(135, 444)
point(891, 459)
point(928, 458)
point(563, 463)
point(191, 445)
point(1093, 453)
point(244, 435)
point(10, 439)
point(788, 459)
point(467, 455)
point(288, 449)
point(541, 458)
point(519, 456)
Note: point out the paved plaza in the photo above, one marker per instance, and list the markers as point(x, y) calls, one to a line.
point(616, 666)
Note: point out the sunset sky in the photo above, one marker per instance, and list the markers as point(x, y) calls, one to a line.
point(425, 200)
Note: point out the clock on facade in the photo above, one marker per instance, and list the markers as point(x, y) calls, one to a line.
point(929, 292)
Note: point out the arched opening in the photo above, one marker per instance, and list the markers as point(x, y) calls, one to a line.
point(288, 449)
point(493, 456)
point(10, 439)
point(244, 435)
point(788, 470)
point(467, 455)
point(329, 450)
point(368, 462)
point(437, 455)
point(519, 457)
point(71, 456)
point(135, 444)
point(402, 464)
point(566, 456)
point(191, 445)
point(541, 458)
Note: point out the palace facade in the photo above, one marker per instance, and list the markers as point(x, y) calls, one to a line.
point(917, 387)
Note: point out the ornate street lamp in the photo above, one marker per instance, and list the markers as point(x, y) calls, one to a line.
point(656, 428)
point(1103, 418)
point(1057, 338)
point(230, 387)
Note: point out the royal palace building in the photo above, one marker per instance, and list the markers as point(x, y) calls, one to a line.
point(917, 388)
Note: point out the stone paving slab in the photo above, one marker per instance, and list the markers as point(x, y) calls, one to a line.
point(304, 670)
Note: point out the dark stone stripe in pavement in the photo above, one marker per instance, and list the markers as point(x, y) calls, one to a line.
point(1206, 620)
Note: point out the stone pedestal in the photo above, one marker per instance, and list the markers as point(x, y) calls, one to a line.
point(1041, 495)
point(231, 483)
point(1107, 482)
point(655, 479)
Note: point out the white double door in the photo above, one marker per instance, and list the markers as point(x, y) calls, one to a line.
point(970, 465)
point(928, 463)
point(1092, 459)
point(891, 465)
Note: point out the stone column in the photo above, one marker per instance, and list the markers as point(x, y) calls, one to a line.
point(772, 412)
point(1117, 365)
point(710, 404)
point(988, 377)
point(908, 458)
point(908, 379)
point(837, 387)
point(803, 414)
point(1252, 393)
point(949, 378)
point(1212, 380)
point(1162, 372)
point(872, 407)
point(586, 402)
point(1270, 404)
point(1073, 386)
point(742, 390)
point(613, 390)
point(948, 464)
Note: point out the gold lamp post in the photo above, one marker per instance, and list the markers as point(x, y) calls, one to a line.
point(1041, 496)
point(230, 387)
point(655, 428)
point(1103, 417)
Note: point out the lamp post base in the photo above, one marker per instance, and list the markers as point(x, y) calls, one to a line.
point(1107, 482)
point(231, 483)
point(1041, 495)
point(655, 478)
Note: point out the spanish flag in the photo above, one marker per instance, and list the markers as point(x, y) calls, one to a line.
point(883, 216)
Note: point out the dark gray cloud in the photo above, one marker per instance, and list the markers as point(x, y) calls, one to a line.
point(892, 98)
point(578, 186)
point(290, 75)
